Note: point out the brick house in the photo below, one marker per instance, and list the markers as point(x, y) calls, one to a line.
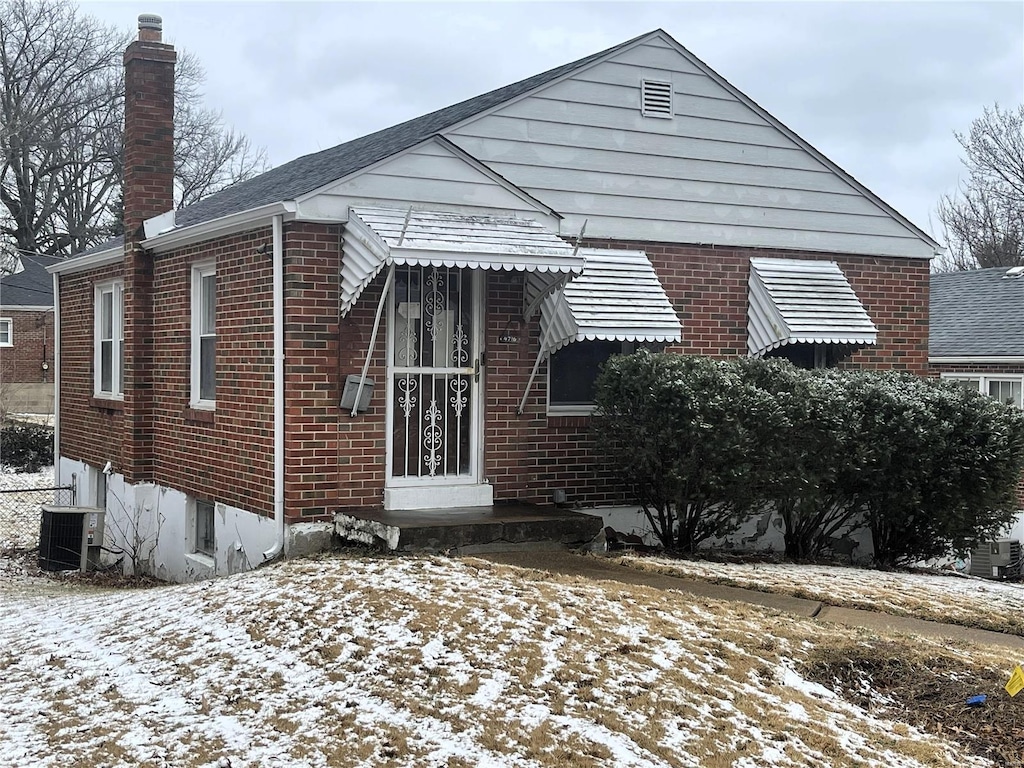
point(413, 319)
point(26, 338)
point(977, 336)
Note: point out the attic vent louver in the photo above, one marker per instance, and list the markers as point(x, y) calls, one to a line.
point(656, 98)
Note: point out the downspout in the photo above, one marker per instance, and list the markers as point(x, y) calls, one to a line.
point(278, 269)
point(56, 380)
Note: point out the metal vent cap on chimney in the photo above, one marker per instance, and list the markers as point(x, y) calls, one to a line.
point(150, 21)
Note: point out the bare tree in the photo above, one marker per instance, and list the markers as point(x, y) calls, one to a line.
point(984, 220)
point(208, 156)
point(61, 127)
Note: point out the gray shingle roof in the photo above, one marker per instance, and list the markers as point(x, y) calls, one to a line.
point(31, 288)
point(979, 313)
point(305, 174)
point(310, 172)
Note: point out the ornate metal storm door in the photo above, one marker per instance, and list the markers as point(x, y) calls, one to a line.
point(434, 373)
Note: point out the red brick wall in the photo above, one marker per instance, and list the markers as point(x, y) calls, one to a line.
point(708, 288)
point(225, 455)
point(33, 345)
point(981, 369)
point(335, 460)
point(530, 455)
point(90, 430)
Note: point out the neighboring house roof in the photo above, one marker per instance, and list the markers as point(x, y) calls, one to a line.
point(32, 287)
point(978, 313)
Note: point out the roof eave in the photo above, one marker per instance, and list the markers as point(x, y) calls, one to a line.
point(219, 227)
point(86, 263)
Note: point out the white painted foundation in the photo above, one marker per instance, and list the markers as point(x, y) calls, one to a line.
point(151, 528)
point(764, 533)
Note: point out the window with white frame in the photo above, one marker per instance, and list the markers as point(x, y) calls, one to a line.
point(204, 540)
point(204, 335)
point(6, 332)
point(1007, 388)
point(108, 361)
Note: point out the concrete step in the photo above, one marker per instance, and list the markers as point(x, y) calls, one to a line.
point(468, 530)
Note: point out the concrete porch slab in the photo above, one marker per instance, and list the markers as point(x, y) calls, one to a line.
point(468, 530)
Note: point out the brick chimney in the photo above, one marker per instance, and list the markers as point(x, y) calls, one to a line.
point(148, 192)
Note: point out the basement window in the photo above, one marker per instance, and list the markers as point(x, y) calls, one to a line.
point(205, 541)
point(656, 98)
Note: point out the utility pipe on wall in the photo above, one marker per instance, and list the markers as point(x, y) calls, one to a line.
point(278, 268)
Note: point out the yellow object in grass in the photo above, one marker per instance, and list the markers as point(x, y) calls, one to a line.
point(1016, 683)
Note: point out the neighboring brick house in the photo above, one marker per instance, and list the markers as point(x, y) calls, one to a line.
point(977, 335)
point(26, 338)
point(476, 264)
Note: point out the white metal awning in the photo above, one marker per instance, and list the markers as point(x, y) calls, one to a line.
point(617, 298)
point(803, 301)
point(375, 237)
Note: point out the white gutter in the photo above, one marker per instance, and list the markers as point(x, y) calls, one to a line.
point(56, 381)
point(979, 359)
point(225, 225)
point(278, 268)
point(113, 255)
point(24, 308)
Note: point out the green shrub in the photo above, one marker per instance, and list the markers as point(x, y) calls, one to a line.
point(26, 447)
point(802, 441)
point(936, 465)
point(928, 466)
point(673, 427)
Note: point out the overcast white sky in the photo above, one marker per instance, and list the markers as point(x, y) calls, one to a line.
point(879, 87)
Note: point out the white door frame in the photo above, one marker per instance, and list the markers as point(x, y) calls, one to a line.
point(424, 492)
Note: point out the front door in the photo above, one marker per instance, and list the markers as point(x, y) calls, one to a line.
point(434, 413)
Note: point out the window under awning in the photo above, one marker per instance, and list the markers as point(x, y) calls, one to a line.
point(617, 298)
point(375, 237)
point(792, 301)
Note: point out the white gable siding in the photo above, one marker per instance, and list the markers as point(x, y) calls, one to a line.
point(427, 176)
point(718, 172)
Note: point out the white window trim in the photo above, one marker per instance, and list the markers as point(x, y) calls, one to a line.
point(116, 392)
point(984, 379)
point(10, 331)
point(199, 271)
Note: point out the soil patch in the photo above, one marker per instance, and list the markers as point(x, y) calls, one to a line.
point(895, 679)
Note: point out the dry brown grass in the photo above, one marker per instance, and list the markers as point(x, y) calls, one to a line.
point(372, 662)
point(934, 597)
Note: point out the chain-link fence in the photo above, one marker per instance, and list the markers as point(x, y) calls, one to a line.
point(21, 512)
